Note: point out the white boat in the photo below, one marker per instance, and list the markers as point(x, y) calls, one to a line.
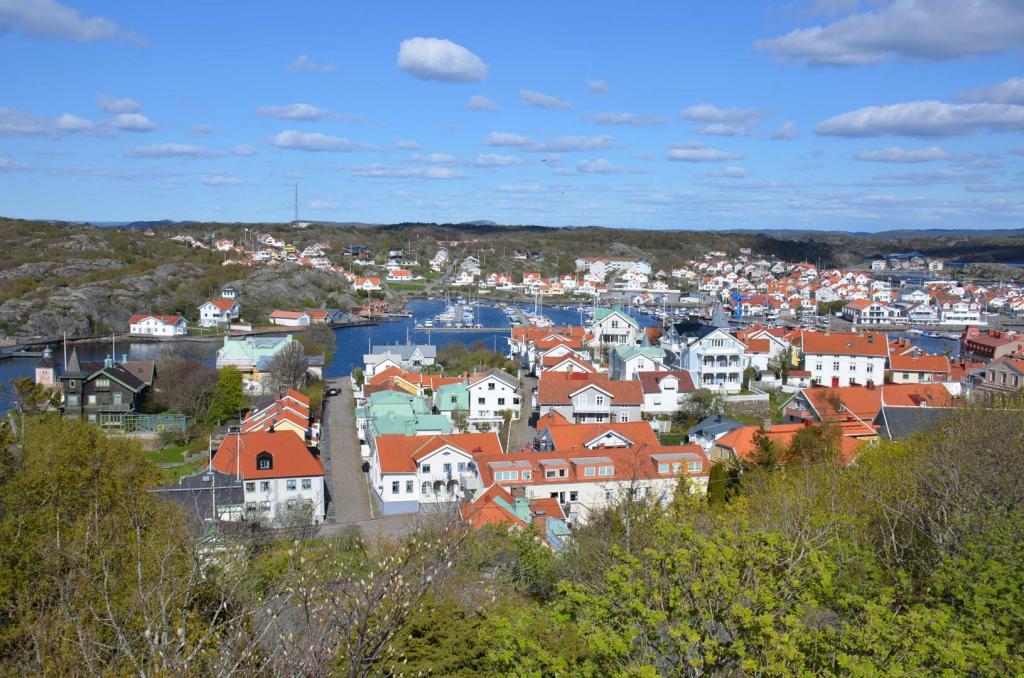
point(428, 323)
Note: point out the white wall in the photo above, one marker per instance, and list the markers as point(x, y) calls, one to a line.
point(278, 494)
point(859, 369)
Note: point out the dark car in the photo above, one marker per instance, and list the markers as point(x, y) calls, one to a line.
point(331, 392)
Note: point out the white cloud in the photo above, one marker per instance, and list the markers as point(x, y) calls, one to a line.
point(602, 166)
point(220, 179)
point(478, 102)
point(169, 150)
point(243, 150)
point(435, 158)
point(114, 105)
point(731, 172)
point(540, 100)
point(8, 165)
point(924, 119)
point(626, 118)
point(438, 59)
point(786, 132)
point(294, 112)
point(902, 155)
point(314, 141)
point(597, 86)
point(304, 63)
point(722, 121)
point(698, 152)
point(519, 188)
point(554, 145)
point(52, 20)
point(324, 204)
point(493, 160)
point(132, 122)
point(407, 145)
point(1007, 92)
point(919, 30)
point(201, 130)
point(387, 172)
point(15, 123)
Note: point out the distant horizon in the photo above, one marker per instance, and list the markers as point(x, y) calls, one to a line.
point(830, 115)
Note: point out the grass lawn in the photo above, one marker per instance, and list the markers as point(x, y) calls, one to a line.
point(170, 455)
point(407, 286)
point(174, 474)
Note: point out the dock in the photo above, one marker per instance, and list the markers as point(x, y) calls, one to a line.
point(421, 328)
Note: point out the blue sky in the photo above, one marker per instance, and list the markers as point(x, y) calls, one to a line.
point(827, 114)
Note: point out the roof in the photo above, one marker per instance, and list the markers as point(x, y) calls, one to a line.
point(760, 345)
point(288, 315)
point(556, 388)
point(577, 436)
point(846, 343)
point(603, 313)
point(650, 382)
point(196, 495)
point(626, 353)
point(222, 304)
point(400, 453)
point(552, 361)
point(902, 422)
point(167, 319)
point(741, 441)
point(291, 457)
point(499, 374)
point(714, 425)
point(405, 351)
point(918, 362)
point(496, 506)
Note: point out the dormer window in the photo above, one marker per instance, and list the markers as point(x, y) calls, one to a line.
point(264, 461)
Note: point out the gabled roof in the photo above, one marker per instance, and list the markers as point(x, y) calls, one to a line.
point(496, 506)
point(288, 315)
point(650, 382)
point(405, 351)
point(291, 457)
point(400, 453)
point(741, 441)
point(500, 375)
point(222, 304)
point(166, 319)
point(577, 437)
point(556, 388)
point(902, 422)
point(916, 362)
point(713, 425)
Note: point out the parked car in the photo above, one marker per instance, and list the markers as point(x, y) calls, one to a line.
point(331, 392)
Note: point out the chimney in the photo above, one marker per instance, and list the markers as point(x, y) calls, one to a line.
point(124, 357)
point(108, 361)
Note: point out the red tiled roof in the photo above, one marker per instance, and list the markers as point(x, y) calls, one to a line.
point(574, 438)
point(556, 388)
point(846, 343)
point(291, 457)
point(919, 363)
point(222, 304)
point(287, 315)
point(399, 453)
point(759, 346)
point(484, 510)
point(741, 441)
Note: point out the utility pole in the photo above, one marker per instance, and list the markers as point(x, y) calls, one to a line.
point(296, 202)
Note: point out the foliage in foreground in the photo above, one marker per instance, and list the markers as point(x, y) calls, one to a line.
point(909, 562)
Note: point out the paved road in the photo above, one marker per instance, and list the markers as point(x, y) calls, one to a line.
point(522, 431)
point(350, 498)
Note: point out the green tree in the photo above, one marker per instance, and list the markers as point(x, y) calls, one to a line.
point(228, 395)
point(767, 452)
point(718, 478)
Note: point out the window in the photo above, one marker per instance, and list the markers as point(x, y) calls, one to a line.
point(290, 483)
point(92, 399)
point(424, 468)
point(676, 466)
point(461, 466)
point(264, 462)
point(307, 483)
point(490, 386)
point(527, 475)
point(662, 468)
point(624, 416)
point(606, 470)
point(92, 418)
point(454, 400)
point(250, 487)
point(501, 401)
point(117, 398)
point(506, 475)
point(818, 367)
point(589, 471)
point(425, 488)
point(408, 486)
point(615, 324)
point(447, 468)
point(264, 486)
point(906, 375)
point(599, 400)
point(550, 473)
point(71, 384)
point(394, 486)
point(73, 400)
point(574, 496)
point(835, 365)
point(694, 466)
point(481, 401)
point(871, 367)
point(102, 383)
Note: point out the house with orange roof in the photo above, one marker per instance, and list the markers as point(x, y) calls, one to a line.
point(845, 358)
point(281, 478)
point(496, 506)
point(740, 445)
point(584, 397)
point(861, 403)
point(157, 325)
point(410, 472)
point(289, 318)
point(565, 363)
point(370, 284)
point(908, 364)
point(214, 312)
point(588, 479)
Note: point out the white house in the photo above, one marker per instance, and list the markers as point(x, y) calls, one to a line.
point(624, 362)
point(409, 473)
point(283, 481)
point(664, 391)
point(367, 284)
point(490, 393)
point(218, 312)
point(845, 358)
point(614, 326)
point(289, 318)
point(713, 357)
point(157, 325)
point(868, 312)
point(409, 357)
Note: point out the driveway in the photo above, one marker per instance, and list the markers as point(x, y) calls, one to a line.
point(349, 492)
point(522, 430)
